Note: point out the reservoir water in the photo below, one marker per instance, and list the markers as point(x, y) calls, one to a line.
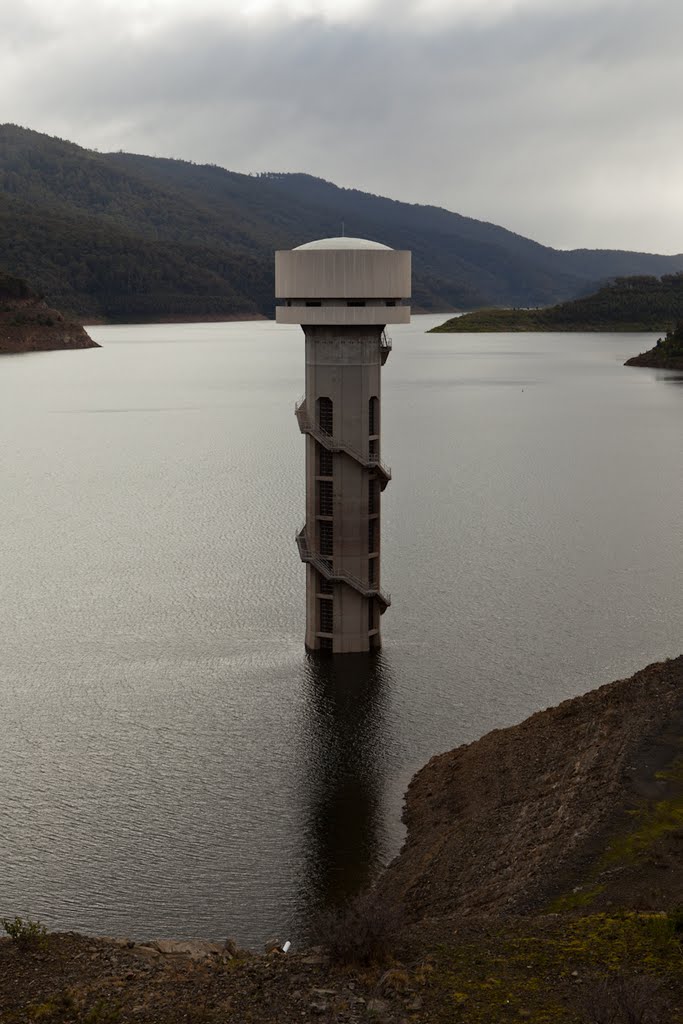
point(171, 761)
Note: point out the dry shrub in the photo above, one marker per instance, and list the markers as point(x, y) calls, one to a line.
point(624, 999)
point(26, 934)
point(363, 931)
point(67, 1008)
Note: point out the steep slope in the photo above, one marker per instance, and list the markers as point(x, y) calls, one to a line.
point(578, 794)
point(123, 236)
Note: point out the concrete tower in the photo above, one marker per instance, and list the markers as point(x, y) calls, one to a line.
point(343, 292)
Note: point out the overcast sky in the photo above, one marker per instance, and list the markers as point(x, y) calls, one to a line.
point(560, 119)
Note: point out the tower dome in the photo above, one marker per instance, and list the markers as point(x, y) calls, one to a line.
point(342, 242)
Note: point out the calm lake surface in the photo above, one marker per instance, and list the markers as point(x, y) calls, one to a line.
point(172, 763)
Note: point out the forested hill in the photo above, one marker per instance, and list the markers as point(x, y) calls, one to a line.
point(637, 303)
point(125, 237)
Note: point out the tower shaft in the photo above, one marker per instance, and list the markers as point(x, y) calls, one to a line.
point(343, 291)
point(344, 479)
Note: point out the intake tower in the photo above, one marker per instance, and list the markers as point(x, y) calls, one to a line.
point(343, 292)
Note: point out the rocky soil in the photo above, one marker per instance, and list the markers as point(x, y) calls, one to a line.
point(505, 824)
point(74, 979)
point(28, 324)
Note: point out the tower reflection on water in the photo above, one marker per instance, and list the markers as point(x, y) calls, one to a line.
point(345, 844)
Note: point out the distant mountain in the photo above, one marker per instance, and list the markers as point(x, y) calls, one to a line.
point(626, 304)
point(123, 237)
point(27, 324)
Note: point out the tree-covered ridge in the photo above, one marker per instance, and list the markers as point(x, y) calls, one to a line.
point(120, 236)
point(667, 353)
point(640, 303)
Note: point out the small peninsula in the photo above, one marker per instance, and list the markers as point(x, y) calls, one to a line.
point(640, 303)
point(667, 353)
point(28, 324)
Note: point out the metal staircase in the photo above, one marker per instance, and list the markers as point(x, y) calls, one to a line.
point(322, 566)
point(332, 444)
point(385, 347)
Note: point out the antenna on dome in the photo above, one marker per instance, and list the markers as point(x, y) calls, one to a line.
point(343, 229)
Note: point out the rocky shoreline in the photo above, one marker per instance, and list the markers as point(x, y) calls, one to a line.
point(28, 324)
point(667, 354)
point(542, 872)
point(656, 361)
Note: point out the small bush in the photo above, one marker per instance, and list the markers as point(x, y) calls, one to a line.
point(103, 1012)
point(362, 932)
point(660, 930)
point(26, 934)
point(65, 1008)
point(624, 999)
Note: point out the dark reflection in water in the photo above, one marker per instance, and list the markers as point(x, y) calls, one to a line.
point(344, 846)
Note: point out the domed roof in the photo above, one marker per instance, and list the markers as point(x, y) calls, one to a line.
point(344, 242)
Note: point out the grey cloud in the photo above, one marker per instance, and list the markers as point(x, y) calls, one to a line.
point(561, 122)
point(20, 28)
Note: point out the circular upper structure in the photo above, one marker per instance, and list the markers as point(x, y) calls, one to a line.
point(343, 242)
point(342, 281)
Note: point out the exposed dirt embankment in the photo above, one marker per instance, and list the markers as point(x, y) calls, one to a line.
point(27, 324)
point(503, 824)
